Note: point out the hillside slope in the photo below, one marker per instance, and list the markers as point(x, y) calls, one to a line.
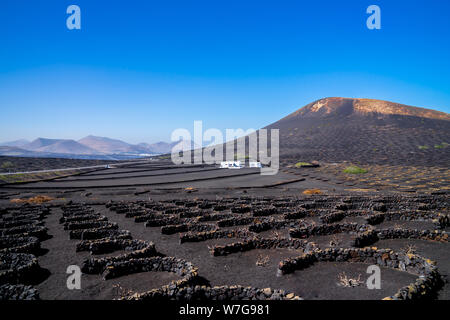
point(59, 146)
point(366, 131)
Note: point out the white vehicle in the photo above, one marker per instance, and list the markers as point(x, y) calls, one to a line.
point(235, 165)
point(224, 165)
point(231, 165)
point(255, 164)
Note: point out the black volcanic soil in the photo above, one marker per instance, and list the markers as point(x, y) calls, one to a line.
point(20, 164)
point(162, 182)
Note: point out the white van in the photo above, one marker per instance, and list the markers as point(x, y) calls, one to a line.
point(224, 165)
point(235, 165)
point(255, 164)
point(231, 165)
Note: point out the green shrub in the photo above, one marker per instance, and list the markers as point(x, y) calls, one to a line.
point(302, 164)
point(240, 157)
point(441, 146)
point(355, 170)
point(423, 147)
point(7, 165)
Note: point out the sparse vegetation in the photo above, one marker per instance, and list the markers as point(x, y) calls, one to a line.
point(12, 178)
point(121, 292)
point(312, 191)
point(7, 165)
point(34, 200)
point(276, 234)
point(441, 146)
point(355, 170)
point(302, 164)
point(409, 249)
point(423, 147)
point(348, 282)
point(334, 242)
point(241, 157)
point(27, 177)
point(262, 261)
point(398, 226)
point(190, 189)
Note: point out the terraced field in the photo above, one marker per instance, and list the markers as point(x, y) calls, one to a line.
point(153, 231)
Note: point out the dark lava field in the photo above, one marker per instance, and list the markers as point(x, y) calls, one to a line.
point(154, 231)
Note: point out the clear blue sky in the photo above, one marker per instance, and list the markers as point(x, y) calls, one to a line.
point(139, 69)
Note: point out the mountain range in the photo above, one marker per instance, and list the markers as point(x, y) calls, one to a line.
point(330, 129)
point(89, 147)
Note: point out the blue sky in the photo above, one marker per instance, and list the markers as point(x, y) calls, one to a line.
point(137, 70)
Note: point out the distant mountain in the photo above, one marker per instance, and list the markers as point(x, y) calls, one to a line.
point(183, 145)
point(15, 143)
point(18, 152)
point(158, 147)
point(41, 143)
point(58, 146)
point(110, 146)
point(165, 147)
point(92, 147)
point(14, 151)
